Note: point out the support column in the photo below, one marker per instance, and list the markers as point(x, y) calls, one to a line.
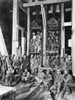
point(44, 33)
point(62, 31)
point(15, 28)
point(28, 29)
point(73, 37)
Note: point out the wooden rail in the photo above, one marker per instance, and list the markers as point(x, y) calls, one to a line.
point(43, 2)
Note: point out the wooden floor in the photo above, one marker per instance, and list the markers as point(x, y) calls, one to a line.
point(26, 93)
point(36, 92)
point(38, 95)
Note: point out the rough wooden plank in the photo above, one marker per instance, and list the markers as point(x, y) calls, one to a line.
point(44, 2)
point(27, 95)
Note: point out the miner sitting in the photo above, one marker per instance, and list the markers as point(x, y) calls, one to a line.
point(9, 76)
point(27, 77)
point(40, 77)
point(68, 82)
point(16, 77)
point(56, 88)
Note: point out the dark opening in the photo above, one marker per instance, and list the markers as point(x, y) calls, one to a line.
point(68, 34)
point(19, 37)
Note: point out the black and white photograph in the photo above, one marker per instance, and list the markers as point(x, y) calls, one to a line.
point(37, 49)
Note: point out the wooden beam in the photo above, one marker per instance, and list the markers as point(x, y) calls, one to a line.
point(73, 37)
point(44, 2)
point(62, 31)
point(28, 29)
point(44, 32)
point(15, 28)
point(21, 6)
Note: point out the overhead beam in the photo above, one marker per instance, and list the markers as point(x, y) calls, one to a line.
point(43, 2)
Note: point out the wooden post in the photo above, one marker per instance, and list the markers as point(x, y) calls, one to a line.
point(44, 33)
point(15, 27)
point(73, 37)
point(28, 29)
point(62, 31)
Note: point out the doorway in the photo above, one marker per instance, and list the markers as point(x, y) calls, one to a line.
point(68, 34)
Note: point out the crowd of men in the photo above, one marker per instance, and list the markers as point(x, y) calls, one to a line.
point(12, 68)
point(56, 79)
point(62, 80)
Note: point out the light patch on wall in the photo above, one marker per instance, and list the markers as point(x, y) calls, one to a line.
point(70, 42)
point(3, 48)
